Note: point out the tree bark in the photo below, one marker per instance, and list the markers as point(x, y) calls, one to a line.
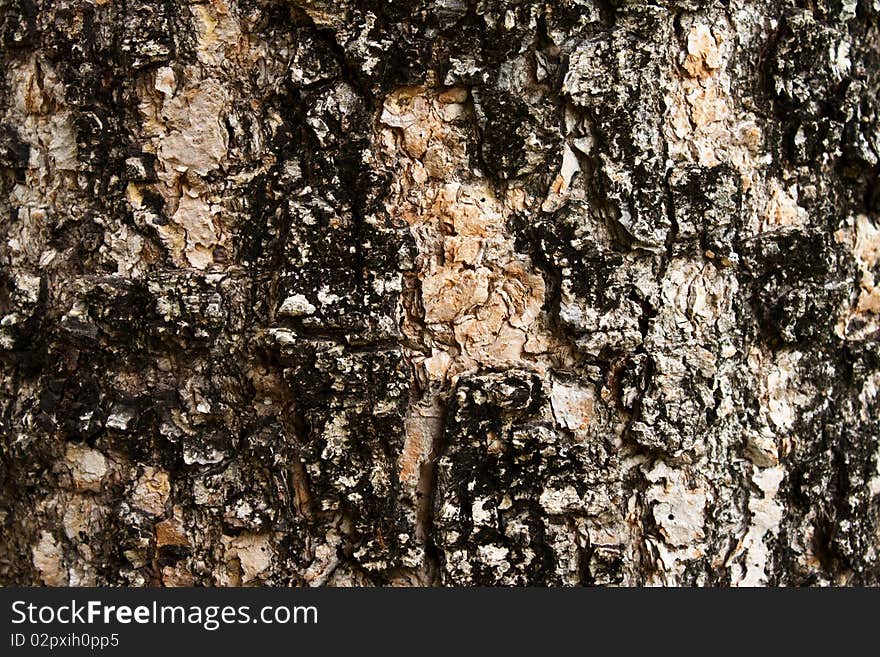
point(459, 292)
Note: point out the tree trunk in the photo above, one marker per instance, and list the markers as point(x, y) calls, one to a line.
point(453, 292)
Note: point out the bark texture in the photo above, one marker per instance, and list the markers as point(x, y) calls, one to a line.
point(456, 292)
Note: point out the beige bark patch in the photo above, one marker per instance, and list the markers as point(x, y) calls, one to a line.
point(252, 552)
point(573, 406)
point(83, 516)
point(182, 121)
point(151, 491)
point(183, 114)
point(171, 532)
point(703, 54)
point(782, 209)
point(88, 467)
point(481, 301)
point(48, 559)
point(677, 501)
point(862, 318)
point(678, 509)
point(766, 516)
point(704, 124)
point(419, 441)
point(37, 108)
point(782, 396)
point(177, 575)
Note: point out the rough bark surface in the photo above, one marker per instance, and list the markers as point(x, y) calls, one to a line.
point(453, 292)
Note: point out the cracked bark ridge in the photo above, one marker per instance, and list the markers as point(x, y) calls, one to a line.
point(459, 293)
